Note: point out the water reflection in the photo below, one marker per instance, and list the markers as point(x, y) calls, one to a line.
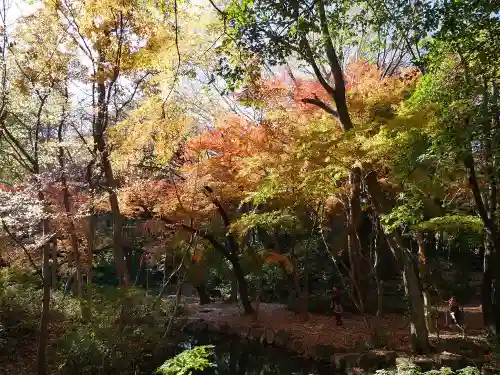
point(234, 357)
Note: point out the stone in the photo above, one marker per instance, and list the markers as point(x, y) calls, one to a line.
point(424, 363)
point(323, 352)
point(346, 361)
point(281, 338)
point(403, 362)
point(297, 346)
point(377, 359)
point(453, 361)
point(361, 346)
point(268, 337)
point(246, 334)
point(490, 370)
point(256, 333)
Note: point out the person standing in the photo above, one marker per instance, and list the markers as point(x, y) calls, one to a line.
point(337, 310)
point(336, 305)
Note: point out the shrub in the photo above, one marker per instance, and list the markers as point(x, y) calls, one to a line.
point(187, 361)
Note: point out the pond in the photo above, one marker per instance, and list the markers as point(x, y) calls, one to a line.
point(236, 357)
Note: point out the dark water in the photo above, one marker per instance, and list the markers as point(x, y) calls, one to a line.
point(236, 357)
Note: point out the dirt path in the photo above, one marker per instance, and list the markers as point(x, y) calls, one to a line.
point(322, 330)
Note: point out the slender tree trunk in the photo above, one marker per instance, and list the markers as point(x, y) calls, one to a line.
point(490, 301)
point(234, 289)
point(418, 324)
point(202, 293)
point(90, 261)
point(53, 264)
point(242, 285)
point(139, 270)
point(418, 328)
point(376, 269)
point(99, 140)
point(423, 277)
point(44, 318)
point(486, 287)
point(355, 250)
point(304, 297)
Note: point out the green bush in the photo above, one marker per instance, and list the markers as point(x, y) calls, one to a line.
point(187, 361)
point(126, 327)
point(19, 308)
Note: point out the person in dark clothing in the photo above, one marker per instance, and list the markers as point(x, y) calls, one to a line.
point(457, 315)
point(336, 305)
point(335, 295)
point(337, 310)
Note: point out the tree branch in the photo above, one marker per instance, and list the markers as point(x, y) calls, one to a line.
point(321, 104)
point(25, 250)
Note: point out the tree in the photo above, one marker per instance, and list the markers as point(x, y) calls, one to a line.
point(290, 33)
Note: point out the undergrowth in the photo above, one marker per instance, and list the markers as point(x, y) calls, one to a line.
point(125, 332)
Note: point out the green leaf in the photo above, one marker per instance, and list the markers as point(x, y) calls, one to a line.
point(187, 361)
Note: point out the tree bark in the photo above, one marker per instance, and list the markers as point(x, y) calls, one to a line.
point(490, 301)
point(53, 264)
point(44, 318)
point(242, 285)
point(429, 321)
point(202, 293)
point(69, 217)
point(354, 242)
point(234, 289)
point(418, 328)
point(376, 268)
point(99, 141)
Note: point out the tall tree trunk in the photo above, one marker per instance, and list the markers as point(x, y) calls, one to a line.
point(202, 293)
point(418, 328)
point(69, 218)
point(44, 318)
point(358, 276)
point(490, 302)
point(423, 277)
point(234, 289)
point(418, 325)
point(53, 264)
point(242, 285)
point(100, 143)
point(376, 267)
point(486, 287)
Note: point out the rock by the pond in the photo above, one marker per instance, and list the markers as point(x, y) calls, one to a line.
point(453, 361)
point(296, 346)
point(403, 361)
point(490, 370)
point(345, 361)
point(361, 346)
point(323, 352)
point(377, 359)
point(267, 337)
point(246, 334)
point(424, 363)
point(256, 333)
point(281, 338)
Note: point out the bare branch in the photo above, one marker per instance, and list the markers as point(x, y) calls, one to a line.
point(321, 104)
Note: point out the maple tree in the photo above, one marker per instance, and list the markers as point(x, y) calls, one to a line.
point(317, 141)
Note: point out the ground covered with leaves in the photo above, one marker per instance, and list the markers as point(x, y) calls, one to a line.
point(392, 329)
